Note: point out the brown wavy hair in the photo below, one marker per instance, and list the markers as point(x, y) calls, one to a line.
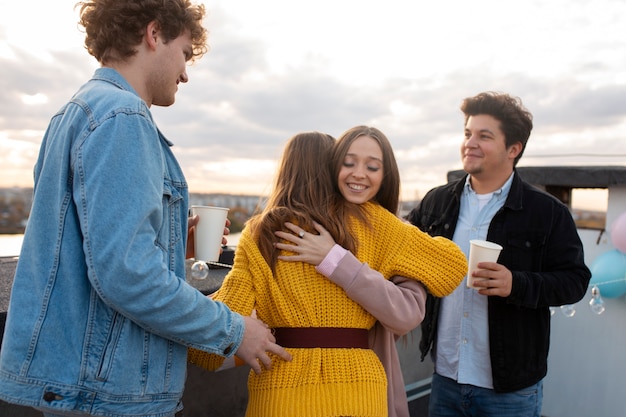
point(113, 28)
point(303, 193)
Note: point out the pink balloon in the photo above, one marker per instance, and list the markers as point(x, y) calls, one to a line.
point(618, 233)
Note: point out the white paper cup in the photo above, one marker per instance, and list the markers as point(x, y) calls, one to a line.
point(209, 232)
point(480, 251)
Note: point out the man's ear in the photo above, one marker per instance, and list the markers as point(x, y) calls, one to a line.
point(151, 34)
point(514, 150)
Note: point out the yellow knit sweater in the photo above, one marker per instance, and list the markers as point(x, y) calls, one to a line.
point(329, 382)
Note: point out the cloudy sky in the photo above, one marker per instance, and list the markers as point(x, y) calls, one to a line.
point(279, 67)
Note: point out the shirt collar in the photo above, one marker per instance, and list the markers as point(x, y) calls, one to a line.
point(502, 191)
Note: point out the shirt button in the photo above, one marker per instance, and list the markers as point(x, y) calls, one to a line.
point(465, 341)
point(228, 349)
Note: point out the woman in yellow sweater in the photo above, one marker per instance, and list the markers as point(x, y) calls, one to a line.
point(398, 303)
point(333, 373)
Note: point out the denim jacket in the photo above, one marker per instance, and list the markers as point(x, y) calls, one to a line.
point(545, 255)
point(100, 315)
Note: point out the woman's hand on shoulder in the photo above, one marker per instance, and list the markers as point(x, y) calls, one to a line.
point(306, 247)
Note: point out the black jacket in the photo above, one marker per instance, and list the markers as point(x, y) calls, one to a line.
point(545, 255)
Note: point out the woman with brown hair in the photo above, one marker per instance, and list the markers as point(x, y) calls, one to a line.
point(366, 180)
point(333, 372)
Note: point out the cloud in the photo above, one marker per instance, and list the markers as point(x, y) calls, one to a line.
point(27, 75)
point(403, 71)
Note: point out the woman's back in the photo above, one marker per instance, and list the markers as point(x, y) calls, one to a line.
point(318, 381)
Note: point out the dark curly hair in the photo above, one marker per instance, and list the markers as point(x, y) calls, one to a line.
point(515, 120)
point(114, 28)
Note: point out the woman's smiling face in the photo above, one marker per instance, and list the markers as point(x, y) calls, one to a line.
point(361, 173)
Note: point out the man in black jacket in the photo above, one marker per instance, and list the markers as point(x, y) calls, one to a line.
point(490, 345)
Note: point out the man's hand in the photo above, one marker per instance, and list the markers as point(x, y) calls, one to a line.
point(493, 279)
point(257, 342)
point(191, 230)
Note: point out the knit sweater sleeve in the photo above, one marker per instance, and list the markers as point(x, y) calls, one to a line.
point(237, 292)
point(399, 302)
point(437, 262)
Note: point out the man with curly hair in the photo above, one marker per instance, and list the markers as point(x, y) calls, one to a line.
point(100, 316)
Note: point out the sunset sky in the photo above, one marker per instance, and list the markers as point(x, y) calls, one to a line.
point(279, 67)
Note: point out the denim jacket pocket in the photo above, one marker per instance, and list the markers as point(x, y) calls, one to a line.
point(158, 364)
point(109, 350)
point(170, 233)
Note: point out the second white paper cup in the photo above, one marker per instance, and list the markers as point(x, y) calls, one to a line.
point(209, 232)
point(481, 251)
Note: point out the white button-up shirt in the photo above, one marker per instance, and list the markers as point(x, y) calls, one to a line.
point(462, 350)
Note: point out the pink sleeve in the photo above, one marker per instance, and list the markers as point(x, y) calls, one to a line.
point(383, 343)
point(399, 302)
point(332, 259)
point(398, 305)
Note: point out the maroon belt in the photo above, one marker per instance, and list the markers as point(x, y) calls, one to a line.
point(321, 337)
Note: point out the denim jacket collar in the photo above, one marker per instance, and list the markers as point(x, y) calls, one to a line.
point(114, 77)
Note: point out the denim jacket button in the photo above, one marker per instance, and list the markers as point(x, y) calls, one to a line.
point(49, 396)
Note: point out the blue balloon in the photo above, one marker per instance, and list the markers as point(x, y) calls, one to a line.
point(608, 272)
